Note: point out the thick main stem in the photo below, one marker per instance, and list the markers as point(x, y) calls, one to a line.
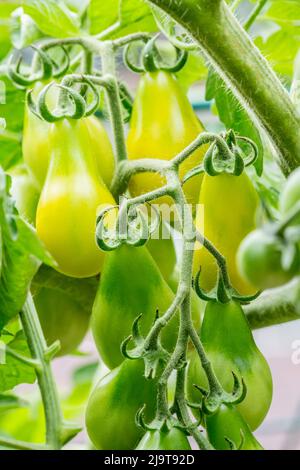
point(38, 349)
point(245, 71)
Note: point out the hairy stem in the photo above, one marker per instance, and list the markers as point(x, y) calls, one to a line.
point(275, 306)
point(183, 411)
point(114, 100)
point(246, 72)
point(39, 352)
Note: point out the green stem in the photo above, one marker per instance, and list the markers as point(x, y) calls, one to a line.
point(245, 71)
point(275, 306)
point(10, 443)
point(39, 352)
point(254, 14)
point(114, 100)
point(184, 414)
point(235, 4)
point(220, 259)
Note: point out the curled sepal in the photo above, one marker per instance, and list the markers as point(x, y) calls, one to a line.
point(26, 80)
point(239, 391)
point(244, 299)
point(61, 69)
point(137, 339)
point(134, 66)
point(239, 164)
point(157, 219)
point(222, 292)
point(252, 157)
point(78, 104)
point(154, 355)
point(46, 70)
point(213, 400)
point(105, 238)
point(232, 445)
point(208, 162)
point(133, 354)
point(151, 60)
point(137, 231)
point(92, 107)
point(155, 425)
point(207, 297)
point(181, 60)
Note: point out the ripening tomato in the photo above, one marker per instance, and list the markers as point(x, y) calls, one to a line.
point(72, 197)
point(163, 123)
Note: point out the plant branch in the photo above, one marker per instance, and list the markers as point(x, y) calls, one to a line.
point(20, 445)
point(254, 14)
point(275, 306)
point(40, 352)
point(183, 410)
point(246, 72)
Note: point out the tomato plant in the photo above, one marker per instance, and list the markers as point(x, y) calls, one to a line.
point(149, 193)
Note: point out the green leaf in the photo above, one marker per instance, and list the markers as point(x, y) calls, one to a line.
point(9, 401)
point(128, 16)
point(20, 255)
point(12, 110)
point(193, 71)
point(14, 372)
point(136, 15)
point(280, 49)
point(24, 31)
point(103, 14)
point(77, 6)
point(284, 10)
point(233, 115)
point(53, 17)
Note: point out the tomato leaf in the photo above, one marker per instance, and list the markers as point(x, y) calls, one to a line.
point(233, 115)
point(12, 371)
point(128, 16)
point(9, 401)
point(20, 255)
point(12, 110)
point(53, 17)
point(102, 15)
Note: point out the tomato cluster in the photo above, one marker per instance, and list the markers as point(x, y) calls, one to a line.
point(61, 189)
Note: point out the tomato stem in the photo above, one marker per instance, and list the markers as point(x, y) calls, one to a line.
point(38, 348)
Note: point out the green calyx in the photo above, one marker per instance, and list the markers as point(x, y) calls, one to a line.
point(151, 60)
point(42, 68)
point(223, 292)
point(231, 158)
